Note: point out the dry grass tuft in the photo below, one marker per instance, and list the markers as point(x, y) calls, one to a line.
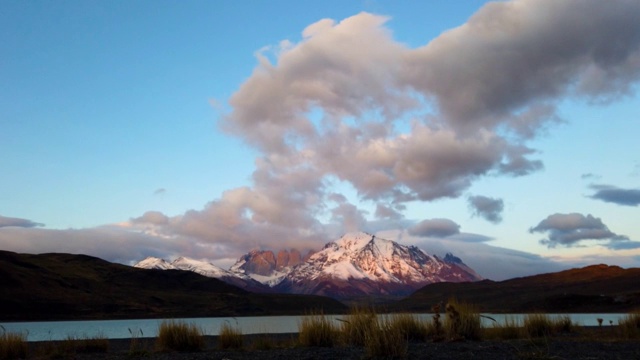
point(386, 340)
point(510, 329)
point(179, 336)
point(318, 330)
point(13, 346)
point(462, 321)
point(629, 326)
point(409, 326)
point(229, 337)
point(358, 323)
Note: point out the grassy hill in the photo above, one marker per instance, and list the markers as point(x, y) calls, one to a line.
point(597, 288)
point(65, 286)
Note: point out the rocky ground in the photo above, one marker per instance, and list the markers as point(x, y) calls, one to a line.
point(593, 344)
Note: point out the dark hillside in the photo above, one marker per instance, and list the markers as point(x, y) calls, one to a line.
point(64, 286)
point(597, 288)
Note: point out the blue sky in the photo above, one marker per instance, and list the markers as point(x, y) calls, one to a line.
point(502, 131)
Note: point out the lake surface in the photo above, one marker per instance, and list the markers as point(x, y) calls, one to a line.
point(123, 329)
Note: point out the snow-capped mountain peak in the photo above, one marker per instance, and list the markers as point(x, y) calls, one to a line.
point(357, 264)
point(361, 263)
point(201, 267)
point(154, 263)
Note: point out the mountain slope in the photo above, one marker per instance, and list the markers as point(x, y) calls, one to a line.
point(205, 269)
point(597, 288)
point(360, 264)
point(64, 286)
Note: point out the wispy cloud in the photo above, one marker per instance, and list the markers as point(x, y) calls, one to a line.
point(17, 222)
point(616, 195)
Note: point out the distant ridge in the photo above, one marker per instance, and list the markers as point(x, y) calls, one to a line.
point(596, 288)
point(73, 287)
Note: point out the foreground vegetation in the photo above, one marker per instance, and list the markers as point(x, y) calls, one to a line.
point(377, 335)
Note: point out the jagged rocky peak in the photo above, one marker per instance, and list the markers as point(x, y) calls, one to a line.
point(450, 258)
point(288, 258)
point(265, 263)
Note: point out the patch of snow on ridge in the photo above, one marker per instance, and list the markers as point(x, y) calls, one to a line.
point(154, 263)
point(200, 267)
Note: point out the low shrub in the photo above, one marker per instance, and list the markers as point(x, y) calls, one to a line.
point(13, 346)
point(179, 336)
point(318, 330)
point(229, 337)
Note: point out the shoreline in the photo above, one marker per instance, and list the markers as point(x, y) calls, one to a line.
point(590, 342)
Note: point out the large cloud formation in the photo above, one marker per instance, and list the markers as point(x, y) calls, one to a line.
point(347, 105)
point(571, 229)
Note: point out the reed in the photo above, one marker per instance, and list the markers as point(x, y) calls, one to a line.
point(179, 336)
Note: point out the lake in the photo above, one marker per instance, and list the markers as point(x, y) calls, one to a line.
point(123, 329)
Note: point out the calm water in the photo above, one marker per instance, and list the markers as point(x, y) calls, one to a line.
point(120, 329)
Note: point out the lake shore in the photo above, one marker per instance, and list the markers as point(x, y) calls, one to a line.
point(586, 343)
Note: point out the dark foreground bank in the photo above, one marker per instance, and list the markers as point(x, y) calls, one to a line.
point(590, 343)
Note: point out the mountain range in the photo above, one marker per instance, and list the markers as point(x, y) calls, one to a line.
point(74, 287)
point(354, 266)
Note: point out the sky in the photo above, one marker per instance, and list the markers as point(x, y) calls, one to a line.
point(506, 133)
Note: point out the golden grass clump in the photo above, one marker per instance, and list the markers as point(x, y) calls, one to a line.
point(537, 325)
point(318, 330)
point(13, 346)
point(386, 340)
point(462, 321)
point(89, 344)
point(629, 326)
point(229, 337)
point(179, 336)
point(409, 326)
point(510, 329)
point(357, 324)
point(563, 324)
